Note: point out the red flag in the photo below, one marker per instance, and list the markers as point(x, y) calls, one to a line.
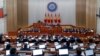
point(48, 18)
point(51, 18)
point(45, 19)
point(55, 18)
point(1, 12)
point(59, 20)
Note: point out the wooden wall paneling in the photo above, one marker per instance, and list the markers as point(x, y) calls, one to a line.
point(86, 13)
point(19, 13)
point(11, 15)
point(25, 12)
point(22, 13)
point(91, 14)
point(80, 12)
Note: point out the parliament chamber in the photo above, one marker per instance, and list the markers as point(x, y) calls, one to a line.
point(49, 27)
point(50, 39)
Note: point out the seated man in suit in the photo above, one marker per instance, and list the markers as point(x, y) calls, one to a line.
point(78, 52)
point(36, 30)
point(25, 47)
point(65, 30)
point(13, 52)
point(66, 45)
point(25, 40)
point(72, 38)
point(1, 38)
point(78, 40)
point(8, 47)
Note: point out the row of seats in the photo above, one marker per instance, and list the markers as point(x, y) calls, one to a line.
point(55, 29)
point(62, 48)
point(51, 43)
point(41, 27)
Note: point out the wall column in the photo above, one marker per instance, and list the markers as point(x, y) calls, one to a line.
point(22, 12)
point(17, 14)
point(86, 13)
point(11, 7)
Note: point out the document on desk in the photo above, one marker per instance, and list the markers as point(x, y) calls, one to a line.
point(22, 54)
point(1, 49)
point(52, 49)
point(71, 54)
point(7, 52)
point(89, 52)
point(28, 55)
point(1, 54)
point(97, 54)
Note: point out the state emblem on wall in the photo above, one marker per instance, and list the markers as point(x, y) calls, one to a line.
point(52, 6)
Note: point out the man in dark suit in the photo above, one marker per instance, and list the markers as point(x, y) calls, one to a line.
point(13, 52)
point(66, 45)
point(8, 46)
point(25, 47)
point(1, 37)
point(78, 52)
point(72, 39)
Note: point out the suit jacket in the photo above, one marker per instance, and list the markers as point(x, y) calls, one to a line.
point(63, 55)
point(78, 55)
point(66, 47)
point(12, 55)
point(27, 49)
point(0, 38)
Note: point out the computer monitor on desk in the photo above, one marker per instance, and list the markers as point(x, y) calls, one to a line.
point(63, 52)
point(58, 46)
point(38, 52)
point(75, 46)
point(19, 44)
point(31, 44)
point(42, 46)
point(7, 52)
point(89, 52)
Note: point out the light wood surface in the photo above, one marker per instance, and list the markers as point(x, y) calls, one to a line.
point(22, 13)
point(17, 14)
point(86, 13)
point(11, 15)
